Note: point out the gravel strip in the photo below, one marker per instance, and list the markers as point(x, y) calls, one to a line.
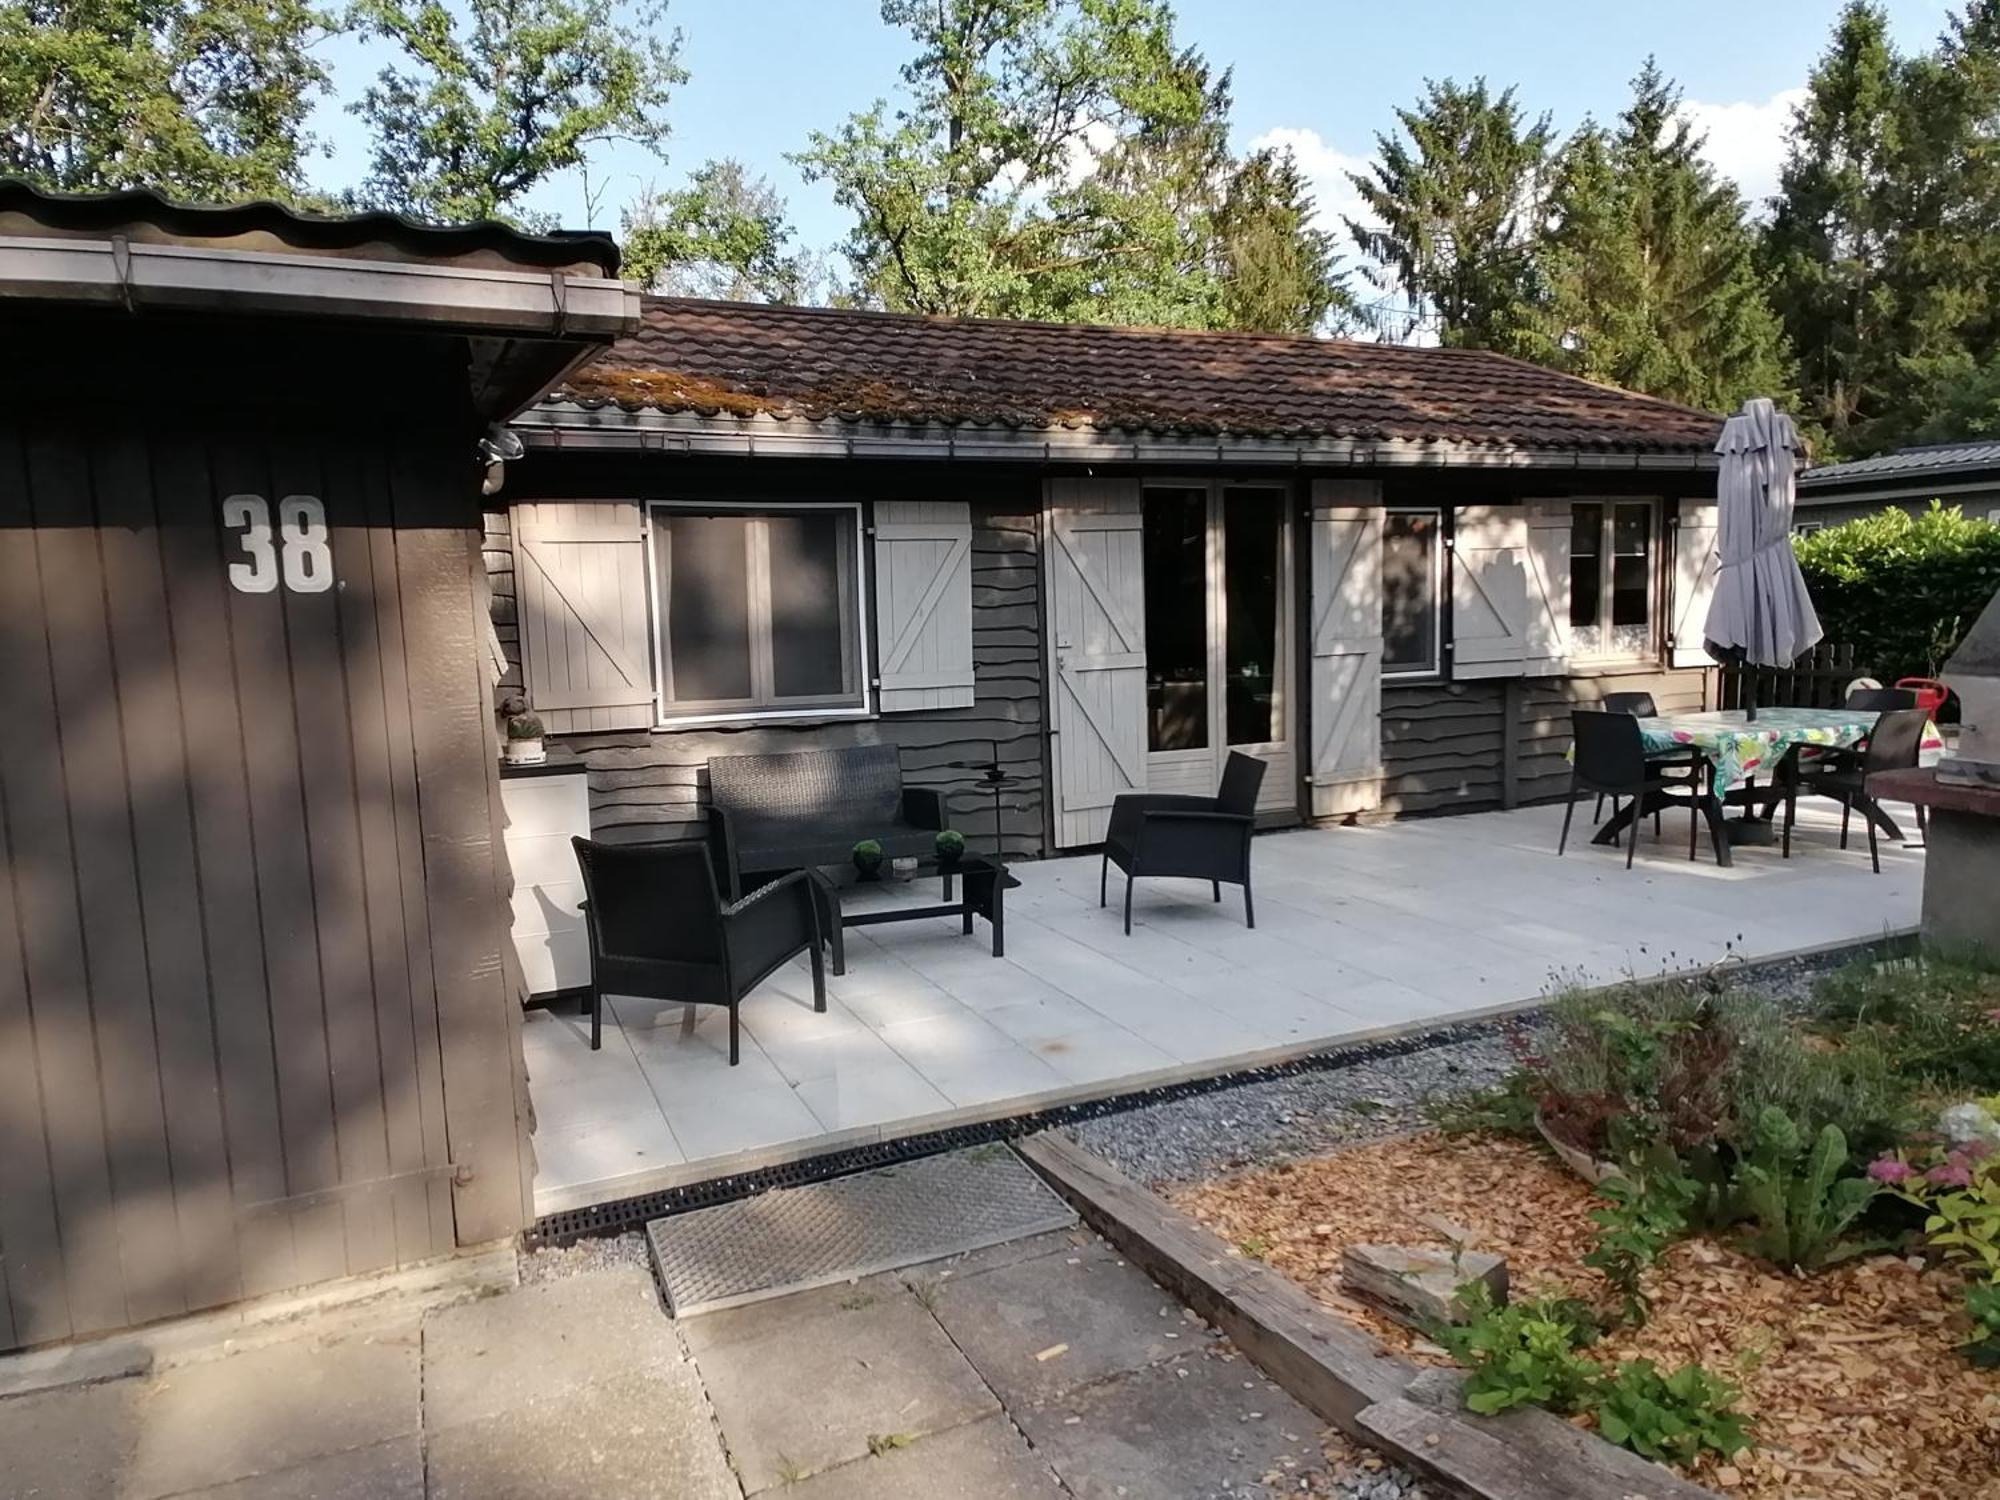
point(600, 1254)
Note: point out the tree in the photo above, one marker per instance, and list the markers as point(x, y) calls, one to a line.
point(1650, 264)
point(1279, 273)
point(723, 235)
point(203, 100)
point(474, 121)
point(1454, 206)
point(1829, 239)
point(1033, 168)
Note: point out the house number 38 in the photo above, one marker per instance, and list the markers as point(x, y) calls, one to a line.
point(296, 551)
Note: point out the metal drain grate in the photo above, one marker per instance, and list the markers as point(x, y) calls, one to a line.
point(797, 1238)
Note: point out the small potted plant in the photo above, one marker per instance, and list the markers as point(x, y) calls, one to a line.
point(523, 746)
point(868, 859)
point(950, 846)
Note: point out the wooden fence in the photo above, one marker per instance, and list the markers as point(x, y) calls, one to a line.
point(1818, 679)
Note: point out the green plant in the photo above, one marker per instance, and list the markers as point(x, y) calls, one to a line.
point(949, 844)
point(1935, 1019)
point(1902, 589)
point(868, 856)
point(1504, 1108)
point(1982, 1305)
point(526, 725)
point(1639, 1219)
point(1257, 1247)
point(1673, 1417)
point(1797, 1198)
point(1520, 1354)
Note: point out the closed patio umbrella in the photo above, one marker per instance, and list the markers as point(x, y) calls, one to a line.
point(1761, 614)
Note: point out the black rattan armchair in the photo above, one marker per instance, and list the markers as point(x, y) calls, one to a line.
point(659, 930)
point(1199, 838)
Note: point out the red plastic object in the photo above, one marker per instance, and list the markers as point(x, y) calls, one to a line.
point(1930, 692)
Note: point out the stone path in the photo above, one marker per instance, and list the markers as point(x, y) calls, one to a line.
point(1042, 1368)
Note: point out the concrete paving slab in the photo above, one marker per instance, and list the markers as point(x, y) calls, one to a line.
point(801, 1384)
point(388, 1471)
point(637, 1435)
point(1203, 1427)
point(984, 1460)
point(1041, 1327)
point(68, 1442)
point(538, 1342)
point(269, 1409)
point(994, 1257)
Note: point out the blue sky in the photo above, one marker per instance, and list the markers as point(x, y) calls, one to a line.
point(1321, 75)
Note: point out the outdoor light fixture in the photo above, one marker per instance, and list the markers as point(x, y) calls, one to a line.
point(500, 444)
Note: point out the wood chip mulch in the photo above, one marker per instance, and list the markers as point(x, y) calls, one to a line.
point(1851, 1377)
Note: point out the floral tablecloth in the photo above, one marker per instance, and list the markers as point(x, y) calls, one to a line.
point(1738, 748)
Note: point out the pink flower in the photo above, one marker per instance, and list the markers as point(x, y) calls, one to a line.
point(1951, 1174)
point(1974, 1149)
point(1891, 1170)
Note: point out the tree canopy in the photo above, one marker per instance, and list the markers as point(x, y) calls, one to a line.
point(204, 100)
point(475, 116)
point(723, 235)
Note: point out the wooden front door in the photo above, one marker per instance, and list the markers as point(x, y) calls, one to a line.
point(1097, 647)
point(1218, 637)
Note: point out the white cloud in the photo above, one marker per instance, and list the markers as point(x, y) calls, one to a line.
point(1326, 166)
point(1746, 140)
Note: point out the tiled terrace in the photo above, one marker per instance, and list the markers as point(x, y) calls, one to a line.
point(1361, 932)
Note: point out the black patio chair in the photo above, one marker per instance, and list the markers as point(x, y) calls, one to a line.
point(659, 930)
point(1641, 706)
point(1611, 760)
point(1880, 700)
point(1894, 744)
point(1196, 838)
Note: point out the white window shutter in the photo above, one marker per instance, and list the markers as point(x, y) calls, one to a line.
point(586, 628)
point(1489, 592)
point(1346, 676)
point(1548, 644)
point(923, 604)
point(1694, 582)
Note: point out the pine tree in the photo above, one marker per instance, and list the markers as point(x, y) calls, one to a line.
point(1650, 263)
point(1453, 217)
point(1829, 240)
point(1279, 273)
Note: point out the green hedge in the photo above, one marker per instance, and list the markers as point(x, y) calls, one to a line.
point(1903, 589)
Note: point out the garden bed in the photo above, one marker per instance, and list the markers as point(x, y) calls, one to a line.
point(1788, 1281)
point(1850, 1376)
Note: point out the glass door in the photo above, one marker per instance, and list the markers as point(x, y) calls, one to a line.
point(1218, 644)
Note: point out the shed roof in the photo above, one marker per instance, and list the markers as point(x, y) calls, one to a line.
point(146, 217)
point(823, 364)
point(1905, 466)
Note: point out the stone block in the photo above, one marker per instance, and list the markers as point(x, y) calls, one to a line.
point(1419, 1285)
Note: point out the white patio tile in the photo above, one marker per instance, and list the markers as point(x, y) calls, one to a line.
point(575, 1156)
point(1099, 1053)
point(1012, 1073)
point(746, 1119)
point(878, 1094)
point(821, 1051)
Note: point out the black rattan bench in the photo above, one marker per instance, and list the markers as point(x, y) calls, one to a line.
point(772, 813)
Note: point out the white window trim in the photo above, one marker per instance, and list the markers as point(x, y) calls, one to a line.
point(863, 602)
point(1440, 652)
point(1656, 535)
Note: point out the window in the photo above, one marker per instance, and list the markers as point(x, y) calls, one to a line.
point(758, 611)
point(1807, 528)
point(1412, 566)
point(1611, 577)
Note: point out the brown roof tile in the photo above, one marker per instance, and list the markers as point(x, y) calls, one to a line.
point(814, 363)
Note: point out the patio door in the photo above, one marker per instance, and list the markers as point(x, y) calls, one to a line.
point(1218, 643)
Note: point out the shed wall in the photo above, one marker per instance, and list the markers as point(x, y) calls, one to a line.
point(251, 1006)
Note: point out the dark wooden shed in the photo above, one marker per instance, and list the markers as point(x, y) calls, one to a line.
point(256, 1029)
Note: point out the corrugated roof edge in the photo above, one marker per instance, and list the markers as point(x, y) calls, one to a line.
point(1909, 464)
point(104, 211)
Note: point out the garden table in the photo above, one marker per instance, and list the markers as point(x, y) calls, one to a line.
point(1739, 750)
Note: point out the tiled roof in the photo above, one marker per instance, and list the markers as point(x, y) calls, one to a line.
point(818, 363)
point(1903, 464)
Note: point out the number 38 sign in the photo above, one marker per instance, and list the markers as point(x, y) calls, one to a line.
point(295, 551)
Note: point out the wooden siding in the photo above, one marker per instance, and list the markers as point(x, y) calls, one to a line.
point(652, 785)
point(1444, 744)
point(251, 1012)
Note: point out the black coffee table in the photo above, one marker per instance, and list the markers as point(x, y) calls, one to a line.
point(982, 887)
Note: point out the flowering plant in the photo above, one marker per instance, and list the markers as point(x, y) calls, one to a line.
point(1957, 1184)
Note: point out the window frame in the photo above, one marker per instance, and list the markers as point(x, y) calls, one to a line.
point(1441, 546)
point(863, 616)
point(1600, 648)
